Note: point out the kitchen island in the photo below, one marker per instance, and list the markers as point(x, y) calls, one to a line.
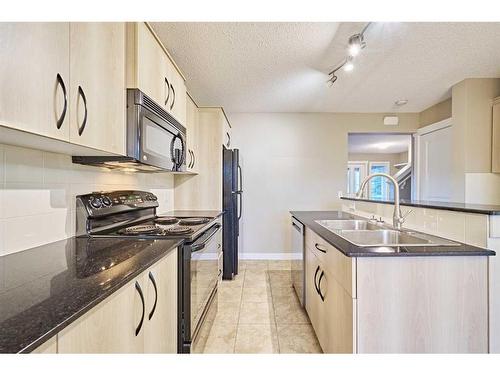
point(387, 299)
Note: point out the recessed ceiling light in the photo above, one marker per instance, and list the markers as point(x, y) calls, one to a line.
point(401, 102)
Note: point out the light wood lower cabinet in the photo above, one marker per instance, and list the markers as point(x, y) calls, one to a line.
point(329, 306)
point(97, 65)
point(32, 97)
point(112, 326)
point(160, 327)
point(496, 137)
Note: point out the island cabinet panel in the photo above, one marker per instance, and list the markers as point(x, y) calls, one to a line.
point(422, 305)
point(97, 66)
point(34, 75)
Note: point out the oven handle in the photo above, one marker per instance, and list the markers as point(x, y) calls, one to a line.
point(201, 246)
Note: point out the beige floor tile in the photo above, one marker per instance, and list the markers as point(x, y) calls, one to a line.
point(237, 281)
point(254, 264)
point(255, 278)
point(230, 294)
point(280, 291)
point(260, 293)
point(278, 264)
point(227, 312)
point(280, 278)
point(221, 339)
point(256, 313)
point(299, 338)
point(289, 311)
point(256, 338)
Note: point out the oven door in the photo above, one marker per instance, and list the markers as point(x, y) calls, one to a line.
point(203, 276)
point(161, 144)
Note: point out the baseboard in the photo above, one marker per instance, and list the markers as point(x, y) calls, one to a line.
point(269, 256)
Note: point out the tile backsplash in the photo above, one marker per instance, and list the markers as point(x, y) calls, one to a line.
point(38, 189)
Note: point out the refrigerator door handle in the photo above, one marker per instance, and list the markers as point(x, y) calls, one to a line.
point(240, 192)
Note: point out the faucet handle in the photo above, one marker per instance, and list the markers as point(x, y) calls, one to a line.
point(406, 214)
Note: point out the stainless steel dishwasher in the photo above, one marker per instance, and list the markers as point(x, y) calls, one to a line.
point(298, 259)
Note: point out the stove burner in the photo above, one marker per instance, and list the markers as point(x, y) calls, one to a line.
point(178, 230)
point(194, 220)
point(141, 229)
point(166, 220)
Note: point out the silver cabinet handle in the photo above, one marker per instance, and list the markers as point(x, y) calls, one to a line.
point(173, 100)
point(194, 159)
point(228, 139)
point(84, 122)
point(168, 91)
point(60, 120)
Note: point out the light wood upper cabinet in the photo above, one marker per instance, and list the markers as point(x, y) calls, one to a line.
point(32, 55)
point(192, 135)
point(151, 70)
point(496, 137)
point(160, 335)
point(110, 327)
point(226, 131)
point(97, 66)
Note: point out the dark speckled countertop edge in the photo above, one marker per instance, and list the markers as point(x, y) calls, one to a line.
point(350, 250)
point(450, 206)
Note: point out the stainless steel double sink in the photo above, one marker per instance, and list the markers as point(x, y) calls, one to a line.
point(364, 233)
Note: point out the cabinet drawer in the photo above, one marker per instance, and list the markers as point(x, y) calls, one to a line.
point(317, 245)
point(342, 268)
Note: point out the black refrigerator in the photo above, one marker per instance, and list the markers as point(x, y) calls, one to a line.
point(232, 205)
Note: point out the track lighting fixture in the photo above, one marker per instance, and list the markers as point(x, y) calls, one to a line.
point(355, 44)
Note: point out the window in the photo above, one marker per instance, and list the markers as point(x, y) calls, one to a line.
point(356, 172)
point(379, 188)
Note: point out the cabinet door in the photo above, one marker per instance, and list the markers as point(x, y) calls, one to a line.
point(314, 305)
point(338, 315)
point(32, 55)
point(97, 65)
point(152, 76)
point(192, 134)
point(226, 129)
point(161, 319)
point(177, 105)
point(110, 327)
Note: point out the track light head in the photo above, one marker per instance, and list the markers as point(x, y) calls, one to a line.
point(356, 44)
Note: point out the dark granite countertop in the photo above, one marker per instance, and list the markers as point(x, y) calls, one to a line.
point(44, 289)
point(485, 209)
point(308, 219)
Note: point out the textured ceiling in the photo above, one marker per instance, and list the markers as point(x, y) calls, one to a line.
point(282, 67)
point(378, 143)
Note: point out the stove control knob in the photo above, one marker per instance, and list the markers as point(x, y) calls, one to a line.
point(96, 202)
point(106, 201)
point(153, 198)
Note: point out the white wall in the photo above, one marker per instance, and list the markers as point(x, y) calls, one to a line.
point(294, 162)
point(38, 189)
